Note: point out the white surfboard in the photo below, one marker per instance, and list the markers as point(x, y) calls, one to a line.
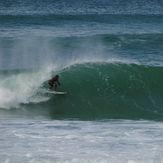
point(56, 92)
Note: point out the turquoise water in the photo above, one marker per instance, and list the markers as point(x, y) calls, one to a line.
point(109, 56)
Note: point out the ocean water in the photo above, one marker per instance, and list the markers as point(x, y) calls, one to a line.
point(109, 56)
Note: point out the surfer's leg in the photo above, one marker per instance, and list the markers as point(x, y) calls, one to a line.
point(50, 85)
point(55, 86)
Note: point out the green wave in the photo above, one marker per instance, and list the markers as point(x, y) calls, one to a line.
point(101, 91)
point(125, 91)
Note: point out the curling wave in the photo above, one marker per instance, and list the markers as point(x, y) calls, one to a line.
point(101, 90)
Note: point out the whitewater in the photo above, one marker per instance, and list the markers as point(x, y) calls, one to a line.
point(109, 57)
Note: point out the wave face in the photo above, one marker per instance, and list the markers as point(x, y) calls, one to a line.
point(111, 91)
point(99, 91)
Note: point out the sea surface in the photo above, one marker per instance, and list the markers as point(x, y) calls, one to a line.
point(109, 55)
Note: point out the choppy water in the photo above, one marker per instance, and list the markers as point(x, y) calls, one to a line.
point(80, 141)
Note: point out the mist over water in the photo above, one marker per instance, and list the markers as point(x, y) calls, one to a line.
point(38, 34)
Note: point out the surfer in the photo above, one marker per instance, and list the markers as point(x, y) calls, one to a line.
point(54, 82)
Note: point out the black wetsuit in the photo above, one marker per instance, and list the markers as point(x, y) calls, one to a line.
point(53, 82)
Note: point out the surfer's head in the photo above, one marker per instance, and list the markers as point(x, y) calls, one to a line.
point(57, 76)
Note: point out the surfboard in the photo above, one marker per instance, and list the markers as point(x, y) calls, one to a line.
point(56, 92)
